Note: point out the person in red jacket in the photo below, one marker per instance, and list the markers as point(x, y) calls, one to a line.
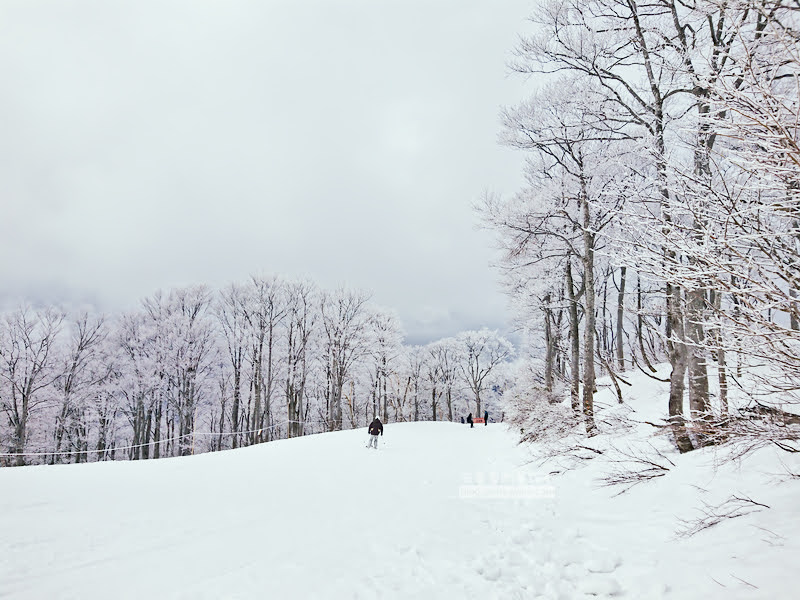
point(375, 428)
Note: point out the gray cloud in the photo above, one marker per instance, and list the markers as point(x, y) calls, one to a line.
point(153, 144)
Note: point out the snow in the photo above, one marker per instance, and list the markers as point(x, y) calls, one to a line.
point(438, 511)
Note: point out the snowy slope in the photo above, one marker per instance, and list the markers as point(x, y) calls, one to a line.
point(324, 517)
point(320, 516)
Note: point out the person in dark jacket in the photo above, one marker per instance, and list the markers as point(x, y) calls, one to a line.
point(469, 420)
point(375, 428)
point(486, 417)
point(462, 420)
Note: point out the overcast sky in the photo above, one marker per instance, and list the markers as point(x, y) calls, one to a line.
point(151, 144)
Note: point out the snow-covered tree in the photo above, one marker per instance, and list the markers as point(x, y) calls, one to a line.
point(385, 341)
point(264, 312)
point(345, 321)
point(82, 375)
point(28, 368)
point(301, 327)
point(482, 351)
point(230, 311)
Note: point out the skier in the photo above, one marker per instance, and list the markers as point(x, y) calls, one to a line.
point(462, 420)
point(375, 428)
point(486, 417)
point(469, 420)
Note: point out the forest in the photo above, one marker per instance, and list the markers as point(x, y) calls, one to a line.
point(196, 370)
point(660, 221)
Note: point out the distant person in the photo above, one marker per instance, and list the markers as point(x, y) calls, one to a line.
point(469, 420)
point(462, 420)
point(375, 428)
point(486, 417)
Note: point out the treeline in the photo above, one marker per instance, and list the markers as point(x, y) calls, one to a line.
point(196, 370)
point(661, 216)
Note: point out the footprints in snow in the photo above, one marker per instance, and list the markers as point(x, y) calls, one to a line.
point(536, 562)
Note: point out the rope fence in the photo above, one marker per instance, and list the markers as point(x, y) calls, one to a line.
point(162, 441)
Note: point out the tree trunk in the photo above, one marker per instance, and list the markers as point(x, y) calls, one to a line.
point(698, 372)
point(254, 421)
point(148, 425)
point(620, 315)
point(589, 303)
point(221, 422)
point(722, 369)
point(449, 403)
point(575, 348)
point(267, 420)
point(416, 399)
point(301, 393)
point(606, 320)
point(237, 399)
point(101, 438)
point(722, 374)
point(375, 410)
point(21, 434)
point(81, 439)
point(549, 345)
point(640, 324)
point(59, 430)
point(157, 429)
point(385, 395)
point(678, 359)
point(336, 409)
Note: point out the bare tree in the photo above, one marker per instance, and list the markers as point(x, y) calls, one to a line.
point(231, 313)
point(264, 312)
point(574, 145)
point(385, 341)
point(415, 359)
point(27, 368)
point(80, 376)
point(301, 322)
point(344, 320)
point(482, 351)
point(141, 382)
point(446, 355)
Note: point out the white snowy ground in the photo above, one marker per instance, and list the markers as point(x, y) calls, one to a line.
point(324, 517)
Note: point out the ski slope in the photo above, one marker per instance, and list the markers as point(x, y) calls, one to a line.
point(324, 517)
